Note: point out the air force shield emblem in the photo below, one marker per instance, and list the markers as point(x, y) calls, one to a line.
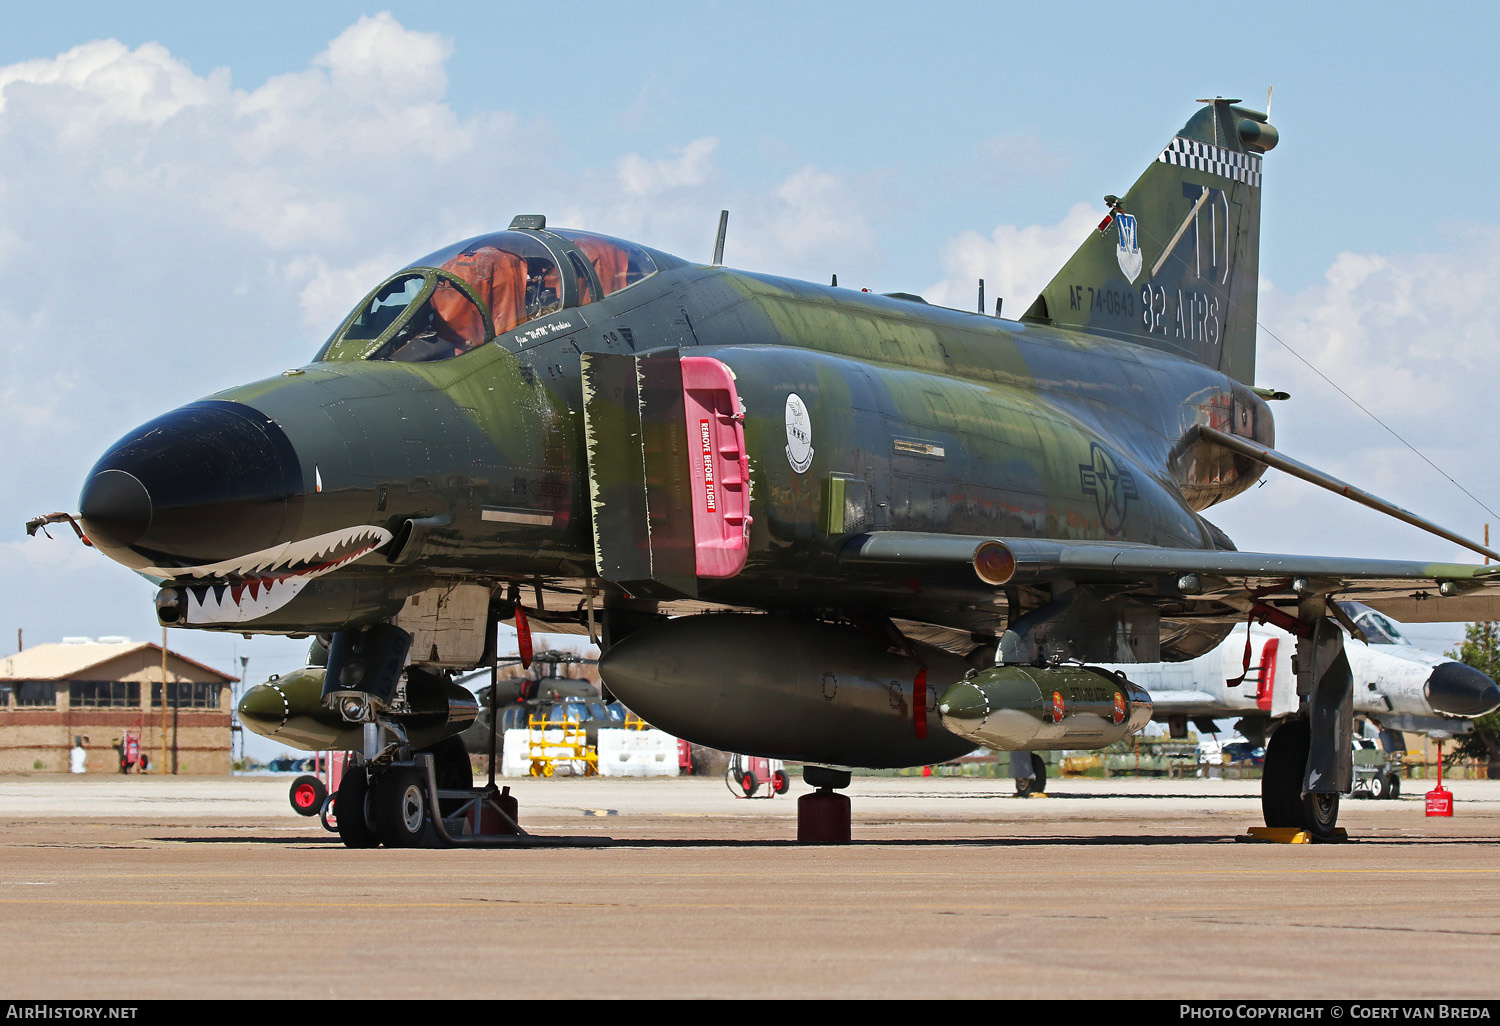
point(1128, 249)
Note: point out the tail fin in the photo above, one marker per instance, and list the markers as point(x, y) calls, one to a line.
point(1175, 263)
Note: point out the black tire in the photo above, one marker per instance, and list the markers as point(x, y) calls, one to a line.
point(1039, 771)
point(779, 782)
point(749, 784)
point(400, 802)
point(1037, 782)
point(1320, 816)
point(1281, 800)
point(351, 812)
point(307, 795)
point(1377, 787)
point(1281, 774)
point(327, 816)
point(1393, 786)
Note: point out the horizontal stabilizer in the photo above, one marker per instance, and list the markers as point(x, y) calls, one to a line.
point(1297, 469)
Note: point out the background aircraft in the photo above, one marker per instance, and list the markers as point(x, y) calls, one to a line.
point(543, 691)
point(1397, 686)
point(945, 514)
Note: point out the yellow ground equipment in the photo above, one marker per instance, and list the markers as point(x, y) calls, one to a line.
point(558, 744)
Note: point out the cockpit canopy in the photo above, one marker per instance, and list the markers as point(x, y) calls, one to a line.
point(1379, 629)
point(455, 300)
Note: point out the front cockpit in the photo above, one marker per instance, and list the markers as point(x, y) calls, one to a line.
point(457, 299)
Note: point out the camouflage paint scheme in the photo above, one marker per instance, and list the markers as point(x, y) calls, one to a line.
point(546, 469)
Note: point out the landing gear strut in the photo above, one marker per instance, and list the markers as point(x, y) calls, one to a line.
point(1310, 759)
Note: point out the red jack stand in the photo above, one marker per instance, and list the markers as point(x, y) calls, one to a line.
point(823, 816)
point(1440, 799)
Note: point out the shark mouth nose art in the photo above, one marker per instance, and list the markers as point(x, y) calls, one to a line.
point(248, 587)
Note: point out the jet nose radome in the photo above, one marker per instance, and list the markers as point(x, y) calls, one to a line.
point(1460, 690)
point(204, 483)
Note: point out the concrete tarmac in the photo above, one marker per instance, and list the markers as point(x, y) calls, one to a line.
point(122, 888)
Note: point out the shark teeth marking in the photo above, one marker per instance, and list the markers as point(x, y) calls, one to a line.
point(307, 550)
point(249, 587)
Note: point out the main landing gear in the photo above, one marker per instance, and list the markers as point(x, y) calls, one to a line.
point(1036, 783)
point(1282, 801)
point(1309, 759)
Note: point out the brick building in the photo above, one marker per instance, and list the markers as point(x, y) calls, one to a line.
point(103, 691)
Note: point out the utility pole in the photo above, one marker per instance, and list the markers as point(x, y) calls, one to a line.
point(164, 700)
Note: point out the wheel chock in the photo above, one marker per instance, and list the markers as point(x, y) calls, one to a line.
point(1287, 835)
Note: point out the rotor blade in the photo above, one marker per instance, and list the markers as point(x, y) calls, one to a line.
point(1287, 465)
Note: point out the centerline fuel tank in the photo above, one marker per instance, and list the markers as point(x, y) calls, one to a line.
point(796, 689)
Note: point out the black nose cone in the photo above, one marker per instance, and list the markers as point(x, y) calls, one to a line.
point(1460, 690)
point(117, 508)
point(202, 484)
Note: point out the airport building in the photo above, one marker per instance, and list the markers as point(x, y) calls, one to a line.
point(107, 696)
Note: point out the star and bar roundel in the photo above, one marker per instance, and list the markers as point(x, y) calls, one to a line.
point(1111, 487)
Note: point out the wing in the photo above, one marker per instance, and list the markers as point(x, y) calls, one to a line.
point(1201, 581)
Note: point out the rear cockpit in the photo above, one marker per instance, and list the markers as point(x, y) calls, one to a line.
point(1378, 629)
point(457, 299)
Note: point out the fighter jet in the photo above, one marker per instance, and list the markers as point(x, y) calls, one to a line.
point(1396, 684)
point(1397, 687)
point(802, 521)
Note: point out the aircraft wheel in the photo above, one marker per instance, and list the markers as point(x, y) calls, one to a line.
point(327, 816)
point(400, 802)
point(308, 795)
point(1377, 787)
point(1393, 786)
point(1281, 774)
point(749, 784)
point(1320, 815)
point(779, 782)
point(1282, 802)
point(1037, 782)
point(351, 812)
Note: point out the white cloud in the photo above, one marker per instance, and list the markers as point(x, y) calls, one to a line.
point(1015, 262)
point(647, 179)
point(145, 85)
point(813, 221)
point(379, 59)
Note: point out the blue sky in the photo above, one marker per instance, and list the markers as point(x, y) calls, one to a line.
point(196, 203)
